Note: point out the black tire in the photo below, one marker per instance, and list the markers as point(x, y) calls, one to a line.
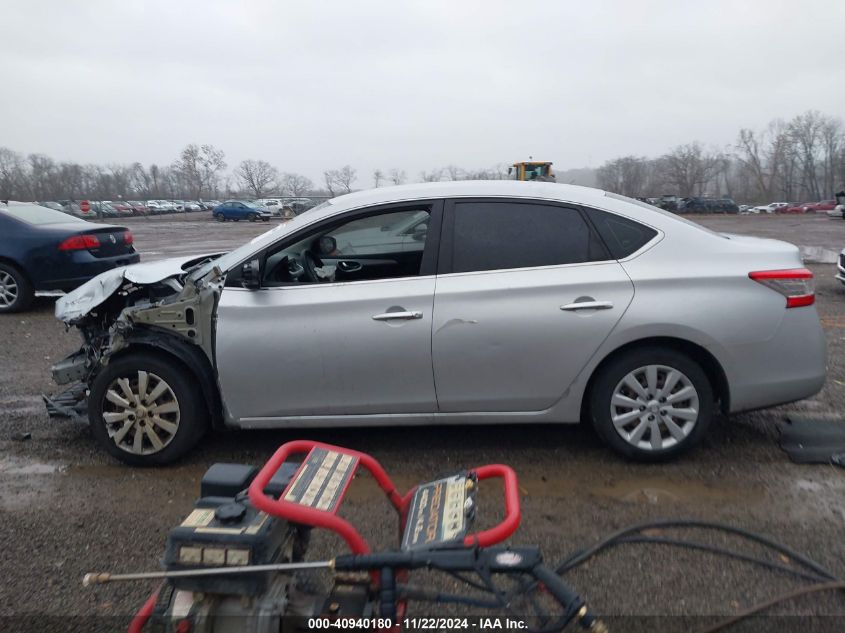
point(13, 281)
point(220, 217)
point(265, 219)
point(252, 217)
point(611, 375)
point(192, 415)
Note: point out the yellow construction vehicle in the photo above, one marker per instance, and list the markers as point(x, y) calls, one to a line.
point(532, 170)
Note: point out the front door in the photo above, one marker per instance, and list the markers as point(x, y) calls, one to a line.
point(340, 326)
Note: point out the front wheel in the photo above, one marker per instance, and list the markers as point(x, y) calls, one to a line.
point(651, 404)
point(252, 217)
point(146, 411)
point(220, 217)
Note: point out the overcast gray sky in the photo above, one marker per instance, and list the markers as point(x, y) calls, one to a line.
point(316, 85)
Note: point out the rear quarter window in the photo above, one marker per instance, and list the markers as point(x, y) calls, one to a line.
point(622, 236)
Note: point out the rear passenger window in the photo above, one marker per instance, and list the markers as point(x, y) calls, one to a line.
point(622, 236)
point(502, 235)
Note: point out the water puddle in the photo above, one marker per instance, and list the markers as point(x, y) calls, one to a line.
point(818, 255)
point(21, 405)
point(22, 482)
point(15, 467)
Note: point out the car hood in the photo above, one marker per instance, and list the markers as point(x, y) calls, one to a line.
point(93, 292)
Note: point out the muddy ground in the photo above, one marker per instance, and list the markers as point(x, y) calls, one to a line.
point(66, 508)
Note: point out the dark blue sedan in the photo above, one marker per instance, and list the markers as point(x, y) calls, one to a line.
point(45, 251)
point(237, 210)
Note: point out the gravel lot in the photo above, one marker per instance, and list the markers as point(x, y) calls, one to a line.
point(67, 508)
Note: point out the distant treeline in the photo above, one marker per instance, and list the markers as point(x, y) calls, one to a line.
point(798, 160)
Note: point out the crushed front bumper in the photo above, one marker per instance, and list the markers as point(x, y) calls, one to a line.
point(71, 403)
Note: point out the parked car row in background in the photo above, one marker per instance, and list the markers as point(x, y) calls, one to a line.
point(693, 204)
point(91, 209)
point(793, 207)
point(703, 204)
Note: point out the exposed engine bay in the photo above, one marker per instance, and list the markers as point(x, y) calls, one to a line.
point(148, 303)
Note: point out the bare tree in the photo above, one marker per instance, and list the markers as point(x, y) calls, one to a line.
point(295, 185)
point(11, 173)
point(257, 176)
point(346, 175)
point(431, 176)
point(627, 176)
point(378, 176)
point(397, 176)
point(690, 168)
point(833, 156)
point(201, 166)
point(330, 179)
point(805, 132)
point(453, 172)
point(340, 179)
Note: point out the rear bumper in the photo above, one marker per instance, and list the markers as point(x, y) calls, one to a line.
point(81, 267)
point(790, 366)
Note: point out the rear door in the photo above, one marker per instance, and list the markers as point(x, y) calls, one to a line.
point(508, 331)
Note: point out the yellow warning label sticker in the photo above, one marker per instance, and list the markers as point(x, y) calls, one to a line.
point(200, 517)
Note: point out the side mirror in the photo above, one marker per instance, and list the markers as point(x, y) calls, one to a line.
point(251, 274)
point(327, 245)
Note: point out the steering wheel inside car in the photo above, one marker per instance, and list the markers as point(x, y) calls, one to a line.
point(286, 269)
point(310, 262)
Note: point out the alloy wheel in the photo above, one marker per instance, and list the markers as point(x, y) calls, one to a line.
point(654, 408)
point(8, 289)
point(141, 413)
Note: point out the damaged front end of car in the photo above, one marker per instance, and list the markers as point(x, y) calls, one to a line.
point(158, 305)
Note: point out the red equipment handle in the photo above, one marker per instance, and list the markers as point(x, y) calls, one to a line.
point(310, 516)
point(513, 515)
point(140, 619)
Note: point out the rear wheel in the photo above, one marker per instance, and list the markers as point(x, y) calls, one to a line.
point(146, 411)
point(651, 404)
point(16, 292)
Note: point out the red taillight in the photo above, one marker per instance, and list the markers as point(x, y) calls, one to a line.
point(796, 284)
point(127, 238)
point(80, 243)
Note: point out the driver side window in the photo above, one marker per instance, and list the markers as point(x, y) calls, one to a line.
point(386, 245)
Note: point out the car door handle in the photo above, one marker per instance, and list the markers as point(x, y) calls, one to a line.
point(349, 267)
point(587, 305)
point(390, 316)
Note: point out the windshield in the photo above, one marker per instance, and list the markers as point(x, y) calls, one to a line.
point(225, 262)
point(34, 214)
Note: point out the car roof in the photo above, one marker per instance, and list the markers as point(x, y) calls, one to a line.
point(470, 188)
point(573, 194)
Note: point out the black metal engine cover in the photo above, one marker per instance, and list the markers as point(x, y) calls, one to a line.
point(227, 531)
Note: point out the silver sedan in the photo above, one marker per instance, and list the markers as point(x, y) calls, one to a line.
point(451, 303)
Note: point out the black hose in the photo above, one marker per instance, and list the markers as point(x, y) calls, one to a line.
point(659, 540)
point(580, 558)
